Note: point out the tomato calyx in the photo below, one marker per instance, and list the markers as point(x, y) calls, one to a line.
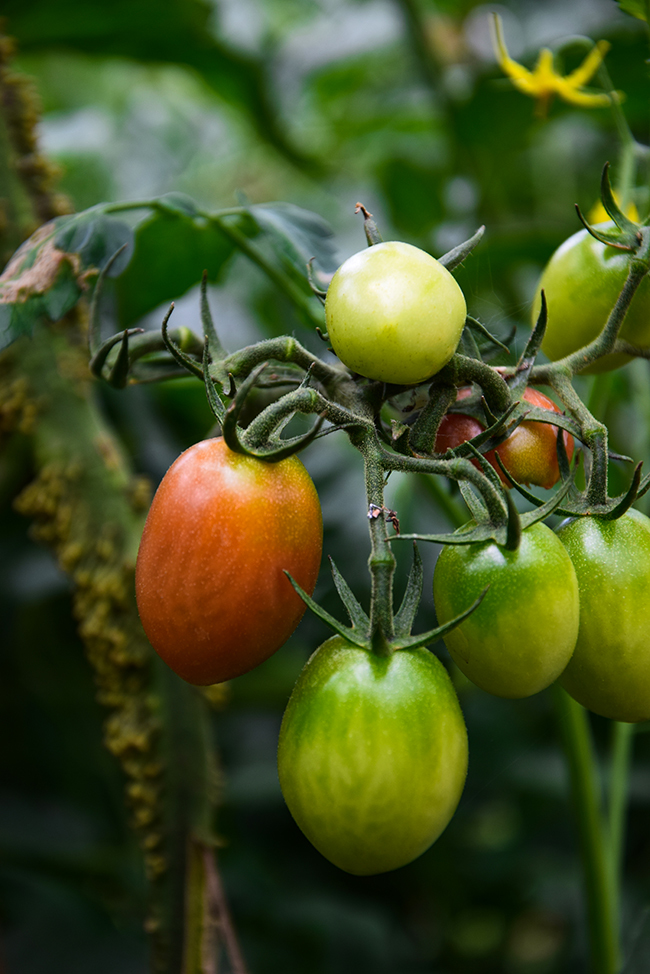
point(359, 633)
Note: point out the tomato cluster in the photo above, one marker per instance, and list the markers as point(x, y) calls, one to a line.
point(372, 754)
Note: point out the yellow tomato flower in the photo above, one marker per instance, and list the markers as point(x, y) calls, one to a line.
point(543, 82)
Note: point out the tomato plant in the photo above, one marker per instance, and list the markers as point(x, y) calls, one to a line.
point(522, 635)
point(212, 595)
point(582, 281)
point(609, 672)
point(529, 453)
point(372, 755)
point(394, 313)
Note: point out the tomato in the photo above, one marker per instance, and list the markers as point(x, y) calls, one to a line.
point(582, 282)
point(212, 595)
point(522, 635)
point(609, 672)
point(394, 313)
point(372, 756)
point(529, 453)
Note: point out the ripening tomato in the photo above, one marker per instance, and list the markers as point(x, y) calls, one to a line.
point(609, 672)
point(394, 313)
point(522, 635)
point(372, 756)
point(529, 453)
point(212, 595)
point(582, 282)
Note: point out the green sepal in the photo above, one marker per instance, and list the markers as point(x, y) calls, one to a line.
point(405, 616)
point(213, 342)
point(477, 508)
point(98, 360)
point(626, 499)
point(318, 292)
point(215, 403)
point(475, 325)
point(486, 467)
point(186, 361)
point(612, 208)
point(358, 617)
point(119, 374)
point(457, 255)
point(611, 238)
point(426, 638)
point(468, 345)
point(346, 632)
point(533, 345)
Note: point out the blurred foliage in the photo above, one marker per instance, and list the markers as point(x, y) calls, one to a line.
point(320, 103)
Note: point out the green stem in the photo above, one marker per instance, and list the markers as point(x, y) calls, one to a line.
point(576, 738)
point(381, 562)
point(622, 743)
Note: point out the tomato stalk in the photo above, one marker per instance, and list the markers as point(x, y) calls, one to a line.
point(381, 562)
point(598, 877)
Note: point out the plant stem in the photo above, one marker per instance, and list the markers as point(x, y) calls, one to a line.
point(576, 738)
point(381, 562)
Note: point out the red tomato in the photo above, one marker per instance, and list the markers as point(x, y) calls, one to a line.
point(212, 595)
point(529, 453)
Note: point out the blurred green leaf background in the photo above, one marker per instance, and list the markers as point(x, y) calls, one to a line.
point(320, 103)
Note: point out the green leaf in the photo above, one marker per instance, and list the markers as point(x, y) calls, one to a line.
point(297, 235)
point(48, 274)
point(171, 252)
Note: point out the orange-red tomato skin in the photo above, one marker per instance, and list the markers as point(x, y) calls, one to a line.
point(212, 594)
point(529, 453)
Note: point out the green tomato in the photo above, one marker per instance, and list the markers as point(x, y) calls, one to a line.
point(372, 756)
point(582, 282)
point(521, 636)
point(394, 313)
point(609, 672)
